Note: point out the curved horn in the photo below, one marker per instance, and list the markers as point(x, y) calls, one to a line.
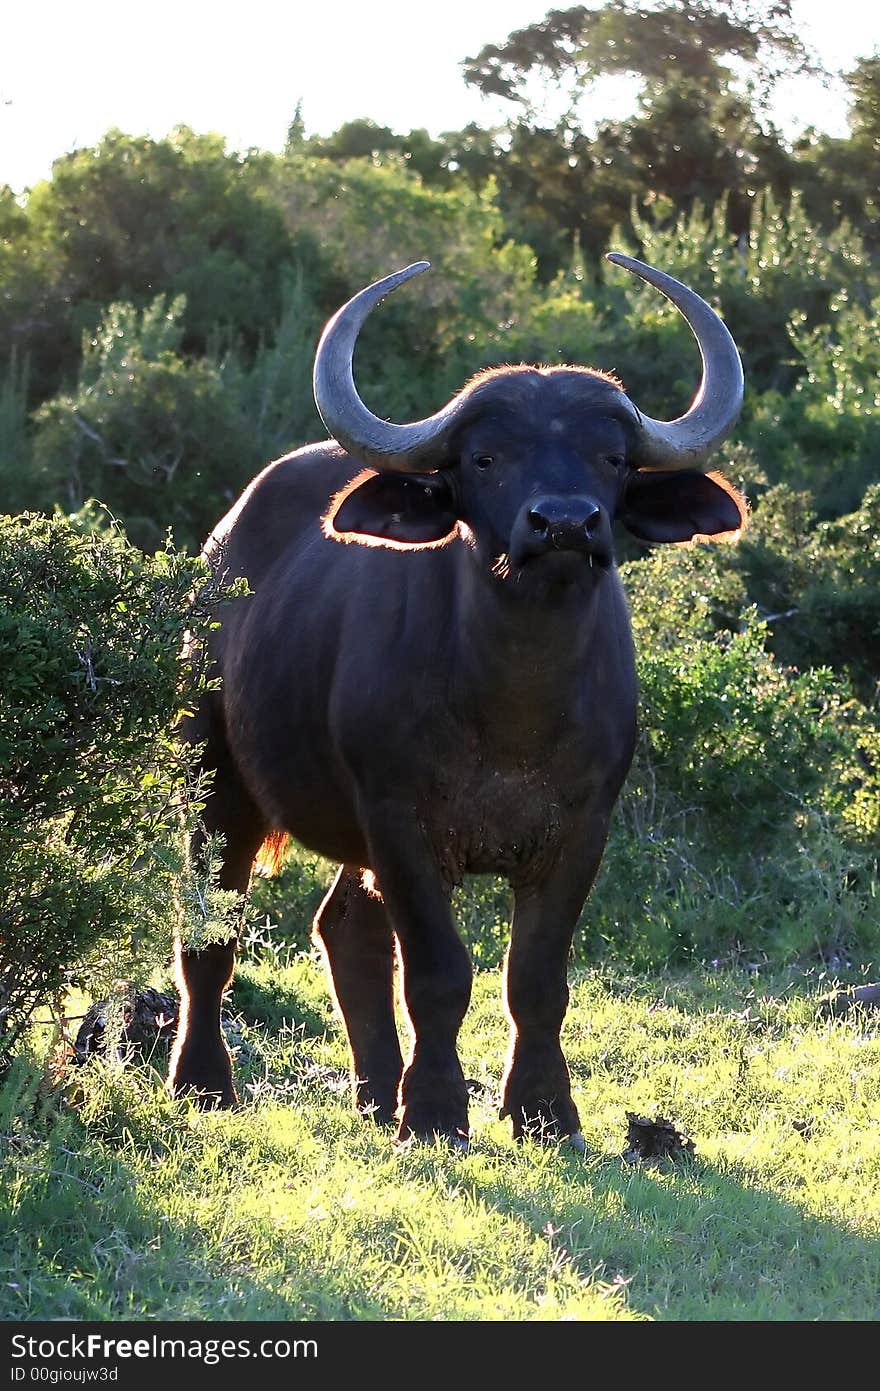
point(404, 448)
point(688, 441)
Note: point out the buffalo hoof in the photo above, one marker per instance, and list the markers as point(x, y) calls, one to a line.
point(434, 1125)
point(548, 1122)
point(379, 1115)
point(206, 1080)
point(459, 1143)
point(207, 1098)
point(434, 1105)
point(376, 1102)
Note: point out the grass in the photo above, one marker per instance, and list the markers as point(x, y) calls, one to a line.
point(119, 1203)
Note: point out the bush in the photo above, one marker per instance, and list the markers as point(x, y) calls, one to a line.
point(153, 434)
point(92, 780)
point(749, 821)
point(816, 584)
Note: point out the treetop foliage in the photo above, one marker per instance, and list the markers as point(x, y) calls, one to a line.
point(678, 41)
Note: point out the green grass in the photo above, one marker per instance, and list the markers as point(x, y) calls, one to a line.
point(118, 1203)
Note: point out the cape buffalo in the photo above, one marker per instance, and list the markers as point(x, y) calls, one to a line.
point(433, 677)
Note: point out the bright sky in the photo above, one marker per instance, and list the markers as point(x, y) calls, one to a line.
point(68, 72)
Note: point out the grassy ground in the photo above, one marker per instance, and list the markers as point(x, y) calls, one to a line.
point(121, 1204)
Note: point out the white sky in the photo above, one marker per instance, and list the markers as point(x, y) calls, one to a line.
point(70, 71)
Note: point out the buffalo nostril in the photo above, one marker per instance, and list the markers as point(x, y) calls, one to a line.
point(591, 522)
point(538, 522)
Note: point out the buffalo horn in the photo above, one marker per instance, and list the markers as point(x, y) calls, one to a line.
point(404, 448)
point(688, 441)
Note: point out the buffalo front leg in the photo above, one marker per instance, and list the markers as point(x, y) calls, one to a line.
point(200, 1062)
point(536, 1090)
point(436, 977)
point(352, 928)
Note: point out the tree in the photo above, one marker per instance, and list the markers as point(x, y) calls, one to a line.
point(703, 69)
point(693, 40)
point(135, 217)
point(839, 177)
point(33, 319)
point(368, 217)
point(864, 83)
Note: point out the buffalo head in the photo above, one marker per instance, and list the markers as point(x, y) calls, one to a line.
point(532, 464)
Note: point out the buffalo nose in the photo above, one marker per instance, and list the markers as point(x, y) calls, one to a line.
point(558, 521)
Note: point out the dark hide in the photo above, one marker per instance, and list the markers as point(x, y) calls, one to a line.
point(433, 677)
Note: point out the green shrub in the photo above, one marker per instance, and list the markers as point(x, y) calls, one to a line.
point(749, 821)
point(272, 388)
point(126, 220)
point(92, 781)
point(152, 433)
point(815, 583)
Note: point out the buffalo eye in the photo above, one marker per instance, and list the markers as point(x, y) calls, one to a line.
point(616, 460)
point(483, 461)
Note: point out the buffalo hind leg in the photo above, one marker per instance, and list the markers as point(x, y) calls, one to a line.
point(200, 1062)
point(537, 1091)
point(352, 928)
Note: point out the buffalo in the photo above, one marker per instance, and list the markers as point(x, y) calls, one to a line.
point(433, 676)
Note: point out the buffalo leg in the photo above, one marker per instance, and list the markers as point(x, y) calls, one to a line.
point(436, 980)
point(353, 930)
point(536, 1091)
point(200, 1062)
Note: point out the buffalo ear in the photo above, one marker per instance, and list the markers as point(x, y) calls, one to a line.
point(410, 509)
point(680, 505)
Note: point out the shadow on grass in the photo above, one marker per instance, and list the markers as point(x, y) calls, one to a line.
point(79, 1239)
point(93, 1238)
point(705, 1240)
point(699, 1242)
point(90, 1237)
